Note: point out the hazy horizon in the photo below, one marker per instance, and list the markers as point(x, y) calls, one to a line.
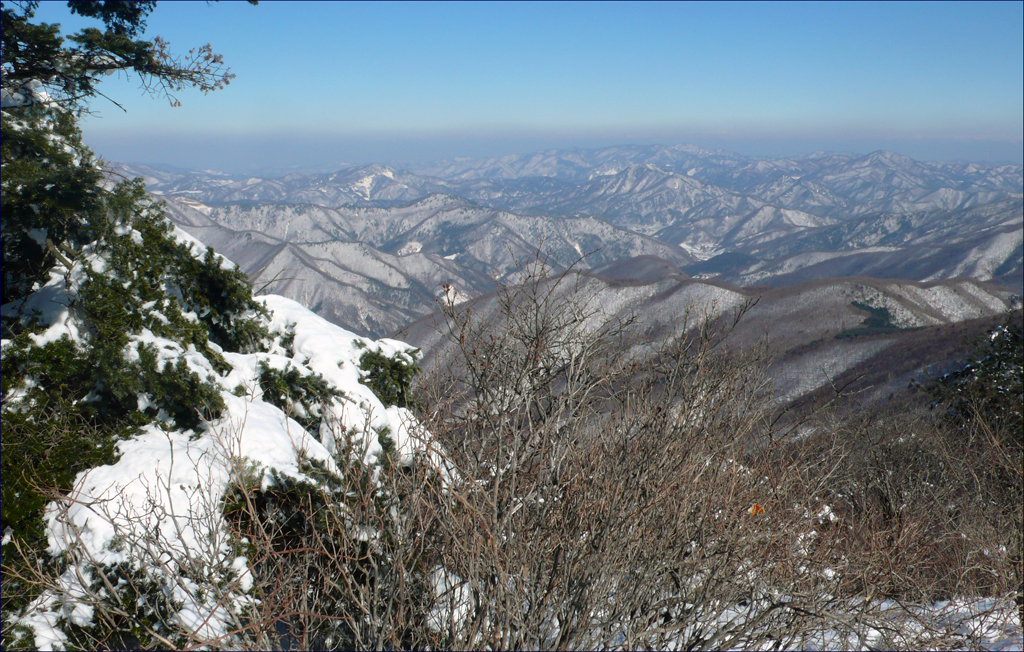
point(299, 160)
point(324, 84)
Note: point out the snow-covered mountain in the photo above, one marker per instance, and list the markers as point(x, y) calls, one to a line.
point(822, 182)
point(371, 183)
point(580, 164)
point(375, 269)
point(982, 242)
point(647, 196)
point(804, 320)
point(370, 247)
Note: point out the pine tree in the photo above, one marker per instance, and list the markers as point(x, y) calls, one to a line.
point(118, 327)
point(86, 270)
point(51, 197)
point(988, 386)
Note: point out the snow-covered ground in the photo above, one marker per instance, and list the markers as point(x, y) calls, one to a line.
point(160, 504)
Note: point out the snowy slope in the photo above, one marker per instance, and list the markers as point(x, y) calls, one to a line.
point(171, 480)
point(375, 269)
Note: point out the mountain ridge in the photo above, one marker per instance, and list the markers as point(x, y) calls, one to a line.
point(359, 238)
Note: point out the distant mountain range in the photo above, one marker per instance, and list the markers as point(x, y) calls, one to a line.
point(370, 247)
point(374, 269)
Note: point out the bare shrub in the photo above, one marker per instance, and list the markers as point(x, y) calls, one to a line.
point(926, 520)
point(610, 496)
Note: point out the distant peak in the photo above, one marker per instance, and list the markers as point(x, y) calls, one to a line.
point(643, 167)
point(379, 168)
point(884, 155)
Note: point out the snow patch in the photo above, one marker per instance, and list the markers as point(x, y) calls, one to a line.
point(701, 251)
point(410, 247)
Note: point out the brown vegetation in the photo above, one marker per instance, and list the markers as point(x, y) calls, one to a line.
point(586, 491)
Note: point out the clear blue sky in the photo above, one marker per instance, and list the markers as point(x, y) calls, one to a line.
point(321, 84)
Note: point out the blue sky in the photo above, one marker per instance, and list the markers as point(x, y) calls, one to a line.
point(324, 84)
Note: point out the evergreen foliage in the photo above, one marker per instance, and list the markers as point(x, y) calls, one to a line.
point(136, 302)
point(115, 326)
point(133, 283)
point(989, 384)
point(390, 378)
point(298, 394)
point(878, 321)
point(49, 198)
point(37, 61)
